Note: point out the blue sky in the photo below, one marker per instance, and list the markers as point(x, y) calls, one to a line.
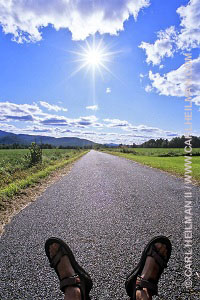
point(138, 95)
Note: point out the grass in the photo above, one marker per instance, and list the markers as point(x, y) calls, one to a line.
point(158, 158)
point(15, 176)
point(158, 152)
point(15, 166)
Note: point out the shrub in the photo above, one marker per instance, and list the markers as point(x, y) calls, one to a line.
point(35, 155)
point(129, 151)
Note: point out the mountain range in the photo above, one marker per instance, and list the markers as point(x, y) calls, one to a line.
point(9, 138)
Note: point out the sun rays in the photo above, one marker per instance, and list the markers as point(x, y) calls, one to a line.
point(94, 57)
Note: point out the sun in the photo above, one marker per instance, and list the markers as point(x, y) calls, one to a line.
point(93, 55)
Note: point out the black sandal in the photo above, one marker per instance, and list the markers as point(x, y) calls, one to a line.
point(134, 281)
point(81, 279)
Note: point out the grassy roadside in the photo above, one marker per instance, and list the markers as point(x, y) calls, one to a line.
point(174, 165)
point(12, 189)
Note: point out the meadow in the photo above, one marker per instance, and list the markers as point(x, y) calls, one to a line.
point(166, 159)
point(16, 173)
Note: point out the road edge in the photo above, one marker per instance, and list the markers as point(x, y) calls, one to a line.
point(194, 181)
point(31, 194)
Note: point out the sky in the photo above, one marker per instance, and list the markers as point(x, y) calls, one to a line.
point(108, 71)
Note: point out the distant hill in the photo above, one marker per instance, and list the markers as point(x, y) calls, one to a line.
point(111, 145)
point(9, 138)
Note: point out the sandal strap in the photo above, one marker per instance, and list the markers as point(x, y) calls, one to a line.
point(70, 281)
point(73, 281)
point(158, 258)
point(143, 283)
point(55, 260)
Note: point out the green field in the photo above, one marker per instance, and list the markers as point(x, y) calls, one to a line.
point(170, 160)
point(158, 152)
point(16, 173)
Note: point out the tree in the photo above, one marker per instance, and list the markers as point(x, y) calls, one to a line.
point(35, 155)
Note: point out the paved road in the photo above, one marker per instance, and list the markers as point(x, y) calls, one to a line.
point(106, 208)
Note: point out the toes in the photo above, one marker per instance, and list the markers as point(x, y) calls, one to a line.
point(162, 249)
point(53, 248)
point(158, 246)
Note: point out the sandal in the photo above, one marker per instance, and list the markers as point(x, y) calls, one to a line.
point(81, 279)
point(134, 281)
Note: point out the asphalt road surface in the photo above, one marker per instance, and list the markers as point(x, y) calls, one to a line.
point(106, 209)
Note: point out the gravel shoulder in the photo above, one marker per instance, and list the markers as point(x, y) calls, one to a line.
point(106, 208)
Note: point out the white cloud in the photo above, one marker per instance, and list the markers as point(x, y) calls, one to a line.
point(174, 82)
point(18, 112)
point(52, 107)
point(82, 122)
point(189, 36)
point(24, 19)
point(92, 107)
point(138, 135)
point(196, 100)
point(161, 48)
point(54, 120)
point(116, 123)
point(148, 88)
point(32, 113)
point(108, 90)
point(39, 130)
point(8, 127)
point(146, 129)
point(82, 127)
point(171, 40)
point(139, 130)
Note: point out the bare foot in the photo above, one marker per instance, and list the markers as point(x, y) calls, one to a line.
point(150, 271)
point(143, 295)
point(65, 269)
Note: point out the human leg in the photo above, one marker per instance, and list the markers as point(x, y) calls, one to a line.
point(141, 284)
point(74, 281)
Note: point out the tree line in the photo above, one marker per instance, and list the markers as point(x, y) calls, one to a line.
point(177, 142)
point(42, 146)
